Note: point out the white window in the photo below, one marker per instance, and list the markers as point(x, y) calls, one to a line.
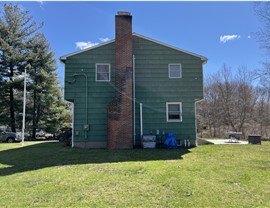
point(103, 72)
point(175, 71)
point(174, 111)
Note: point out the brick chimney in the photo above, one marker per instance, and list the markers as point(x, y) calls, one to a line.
point(120, 116)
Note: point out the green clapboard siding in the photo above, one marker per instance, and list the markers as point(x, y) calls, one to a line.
point(154, 88)
point(100, 94)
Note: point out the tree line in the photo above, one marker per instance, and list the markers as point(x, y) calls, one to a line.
point(22, 47)
point(236, 102)
point(239, 101)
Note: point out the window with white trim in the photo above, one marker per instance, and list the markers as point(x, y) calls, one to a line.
point(175, 71)
point(103, 72)
point(174, 111)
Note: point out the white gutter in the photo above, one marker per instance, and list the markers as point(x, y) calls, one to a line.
point(72, 137)
point(141, 120)
point(196, 101)
point(134, 103)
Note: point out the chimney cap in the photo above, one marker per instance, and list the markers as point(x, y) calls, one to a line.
point(121, 13)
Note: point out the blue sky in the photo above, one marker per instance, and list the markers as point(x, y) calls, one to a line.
point(221, 31)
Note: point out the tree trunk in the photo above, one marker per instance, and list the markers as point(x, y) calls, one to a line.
point(215, 134)
point(38, 112)
point(210, 130)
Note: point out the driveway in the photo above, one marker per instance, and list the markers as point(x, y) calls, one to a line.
point(225, 141)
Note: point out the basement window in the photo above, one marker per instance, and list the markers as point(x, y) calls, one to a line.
point(103, 72)
point(175, 71)
point(174, 111)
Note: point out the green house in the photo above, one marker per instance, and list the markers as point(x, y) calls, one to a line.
point(132, 86)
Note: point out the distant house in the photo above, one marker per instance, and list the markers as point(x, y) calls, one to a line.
point(130, 86)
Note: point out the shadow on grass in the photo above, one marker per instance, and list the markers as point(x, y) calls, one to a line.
point(42, 155)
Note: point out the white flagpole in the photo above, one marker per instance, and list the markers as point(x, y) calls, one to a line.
point(24, 105)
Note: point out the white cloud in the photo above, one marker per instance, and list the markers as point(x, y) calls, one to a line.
point(226, 38)
point(83, 45)
point(41, 4)
point(104, 39)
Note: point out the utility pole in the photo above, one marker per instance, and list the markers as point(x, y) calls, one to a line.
point(24, 105)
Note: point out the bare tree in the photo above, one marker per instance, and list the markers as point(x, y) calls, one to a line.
point(246, 97)
point(225, 86)
point(229, 101)
point(207, 110)
point(262, 10)
point(261, 116)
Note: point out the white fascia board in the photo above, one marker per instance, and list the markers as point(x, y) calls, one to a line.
point(63, 58)
point(204, 59)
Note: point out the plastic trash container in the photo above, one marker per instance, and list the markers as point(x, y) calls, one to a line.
point(254, 139)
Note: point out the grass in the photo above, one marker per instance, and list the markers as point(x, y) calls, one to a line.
point(51, 175)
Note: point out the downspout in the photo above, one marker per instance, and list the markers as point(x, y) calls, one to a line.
point(86, 126)
point(141, 119)
point(72, 137)
point(72, 122)
point(86, 104)
point(134, 104)
point(72, 104)
point(196, 101)
point(199, 100)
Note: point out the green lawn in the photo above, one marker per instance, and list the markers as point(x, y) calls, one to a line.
point(51, 175)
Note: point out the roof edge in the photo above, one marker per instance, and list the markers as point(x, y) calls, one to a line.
point(203, 58)
point(63, 58)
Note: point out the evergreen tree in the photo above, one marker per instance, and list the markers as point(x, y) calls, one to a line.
point(16, 27)
point(22, 46)
point(42, 66)
point(49, 112)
